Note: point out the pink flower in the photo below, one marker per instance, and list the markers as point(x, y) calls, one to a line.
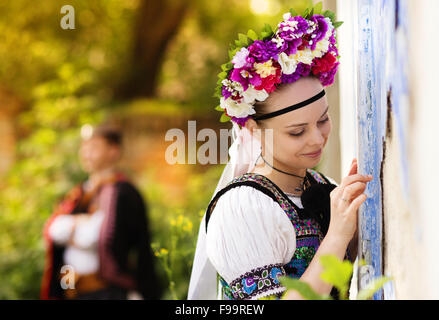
point(240, 58)
point(324, 64)
point(269, 83)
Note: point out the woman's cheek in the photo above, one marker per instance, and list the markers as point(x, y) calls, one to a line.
point(290, 148)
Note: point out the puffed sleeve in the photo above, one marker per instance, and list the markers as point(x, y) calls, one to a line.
point(249, 240)
point(61, 229)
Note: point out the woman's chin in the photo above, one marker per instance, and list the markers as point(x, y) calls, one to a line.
point(312, 162)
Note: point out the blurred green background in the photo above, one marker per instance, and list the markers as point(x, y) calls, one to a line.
point(147, 65)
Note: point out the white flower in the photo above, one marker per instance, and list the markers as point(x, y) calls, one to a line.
point(287, 63)
point(278, 41)
point(251, 95)
point(232, 86)
point(236, 109)
point(329, 22)
point(321, 48)
point(287, 15)
point(289, 25)
point(304, 56)
point(312, 27)
point(265, 69)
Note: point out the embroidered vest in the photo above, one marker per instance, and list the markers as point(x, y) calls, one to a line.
point(308, 239)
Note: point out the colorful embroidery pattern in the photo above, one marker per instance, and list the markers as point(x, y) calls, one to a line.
point(306, 248)
point(257, 281)
point(308, 238)
point(227, 291)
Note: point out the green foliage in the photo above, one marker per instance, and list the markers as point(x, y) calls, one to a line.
point(46, 168)
point(225, 118)
point(337, 273)
point(175, 227)
point(303, 288)
point(64, 79)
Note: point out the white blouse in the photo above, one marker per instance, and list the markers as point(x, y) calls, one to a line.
point(83, 255)
point(248, 230)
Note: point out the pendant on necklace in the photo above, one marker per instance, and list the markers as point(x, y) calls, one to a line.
point(305, 184)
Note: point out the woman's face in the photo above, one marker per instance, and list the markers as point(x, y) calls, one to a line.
point(298, 133)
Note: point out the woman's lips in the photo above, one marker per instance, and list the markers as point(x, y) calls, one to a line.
point(314, 155)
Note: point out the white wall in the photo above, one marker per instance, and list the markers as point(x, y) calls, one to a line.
point(424, 144)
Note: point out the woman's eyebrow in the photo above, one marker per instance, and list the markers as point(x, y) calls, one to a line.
point(304, 124)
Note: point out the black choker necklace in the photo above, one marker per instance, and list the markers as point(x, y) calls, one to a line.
point(303, 185)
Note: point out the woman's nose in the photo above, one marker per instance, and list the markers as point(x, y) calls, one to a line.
point(317, 138)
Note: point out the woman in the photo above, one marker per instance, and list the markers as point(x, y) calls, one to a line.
point(280, 216)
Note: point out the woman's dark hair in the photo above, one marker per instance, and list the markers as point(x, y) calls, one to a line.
point(260, 106)
point(111, 134)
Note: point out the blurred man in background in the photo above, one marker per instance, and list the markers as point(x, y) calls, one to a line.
point(98, 242)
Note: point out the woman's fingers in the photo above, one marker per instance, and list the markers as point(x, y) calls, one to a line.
point(354, 178)
point(355, 204)
point(353, 190)
point(354, 167)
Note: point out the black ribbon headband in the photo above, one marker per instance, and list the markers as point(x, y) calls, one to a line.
point(291, 108)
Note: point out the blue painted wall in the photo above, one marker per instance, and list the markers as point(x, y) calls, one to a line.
point(382, 88)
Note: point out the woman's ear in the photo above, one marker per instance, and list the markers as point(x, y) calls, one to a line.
point(251, 126)
point(254, 129)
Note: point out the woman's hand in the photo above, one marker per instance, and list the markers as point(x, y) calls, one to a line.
point(345, 201)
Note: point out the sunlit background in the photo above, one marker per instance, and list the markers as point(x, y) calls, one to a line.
point(148, 66)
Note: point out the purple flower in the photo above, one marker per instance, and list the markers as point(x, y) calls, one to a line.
point(332, 42)
point(303, 70)
point(246, 77)
point(327, 78)
point(320, 30)
point(291, 46)
point(291, 31)
point(263, 51)
point(238, 76)
point(292, 28)
point(241, 121)
point(225, 93)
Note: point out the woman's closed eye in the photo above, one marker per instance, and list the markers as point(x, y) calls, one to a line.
point(298, 134)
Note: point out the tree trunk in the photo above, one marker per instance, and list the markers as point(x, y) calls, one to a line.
point(157, 22)
point(10, 106)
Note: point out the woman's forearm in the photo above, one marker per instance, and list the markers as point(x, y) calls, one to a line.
point(331, 245)
point(353, 247)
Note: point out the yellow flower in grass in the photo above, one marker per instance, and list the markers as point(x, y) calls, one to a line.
point(188, 226)
point(162, 252)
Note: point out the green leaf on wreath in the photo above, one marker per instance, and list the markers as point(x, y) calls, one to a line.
point(252, 35)
point(243, 39)
point(318, 8)
point(225, 118)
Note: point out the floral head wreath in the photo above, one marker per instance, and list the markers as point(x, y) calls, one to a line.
point(301, 45)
